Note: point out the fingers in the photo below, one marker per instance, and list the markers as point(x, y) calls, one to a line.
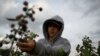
point(22, 44)
point(25, 49)
point(23, 40)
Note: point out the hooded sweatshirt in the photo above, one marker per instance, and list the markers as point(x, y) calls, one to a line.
point(58, 47)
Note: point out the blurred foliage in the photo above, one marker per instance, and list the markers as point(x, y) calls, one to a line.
point(98, 50)
point(6, 52)
point(87, 49)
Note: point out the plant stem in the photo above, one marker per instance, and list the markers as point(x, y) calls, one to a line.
point(10, 53)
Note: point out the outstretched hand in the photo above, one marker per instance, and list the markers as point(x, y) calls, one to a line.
point(26, 45)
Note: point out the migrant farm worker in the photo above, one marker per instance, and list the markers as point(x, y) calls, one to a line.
point(52, 42)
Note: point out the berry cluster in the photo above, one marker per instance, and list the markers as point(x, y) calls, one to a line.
point(22, 29)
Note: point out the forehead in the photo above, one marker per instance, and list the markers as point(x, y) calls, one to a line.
point(53, 25)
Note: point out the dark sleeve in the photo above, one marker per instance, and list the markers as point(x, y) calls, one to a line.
point(39, 50)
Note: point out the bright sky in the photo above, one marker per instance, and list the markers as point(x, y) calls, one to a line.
point(81, 17)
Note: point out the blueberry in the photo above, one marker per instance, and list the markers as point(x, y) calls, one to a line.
point(12, 25)
point(25, 3)
point(25, 9)
point(40, 9)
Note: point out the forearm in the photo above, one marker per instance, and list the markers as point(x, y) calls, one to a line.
point(42, 50)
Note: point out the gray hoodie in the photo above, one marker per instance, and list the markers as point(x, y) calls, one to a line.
point(58, 47)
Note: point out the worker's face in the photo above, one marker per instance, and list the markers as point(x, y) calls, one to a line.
point(53, 30)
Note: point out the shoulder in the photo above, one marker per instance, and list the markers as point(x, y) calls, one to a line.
point(64, 40)
point(41, 40)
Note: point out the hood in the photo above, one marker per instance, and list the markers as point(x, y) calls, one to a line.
point(57, 19)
